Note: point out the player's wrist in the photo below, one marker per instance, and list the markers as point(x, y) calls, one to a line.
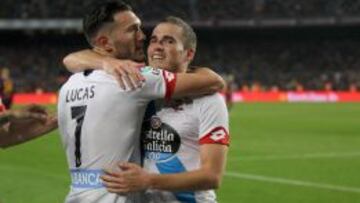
point(149, 181)
point(105, 63)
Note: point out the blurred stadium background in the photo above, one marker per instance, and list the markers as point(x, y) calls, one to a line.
point(295, 67)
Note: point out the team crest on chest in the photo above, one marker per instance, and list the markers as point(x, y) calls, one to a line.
point(155, 122)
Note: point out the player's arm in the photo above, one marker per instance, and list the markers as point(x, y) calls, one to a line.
point(20, 126)
point(176, 85)
point(125, 71)
point(4, 118)
point(134, 178)
point(29, 112)
point(82, 60)
point(209, 176)
point(202, 81)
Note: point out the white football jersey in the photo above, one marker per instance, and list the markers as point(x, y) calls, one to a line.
point(171, 140)
point(100, 125)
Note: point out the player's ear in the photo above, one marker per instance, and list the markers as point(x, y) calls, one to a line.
point(190, 54)
point(104, 42)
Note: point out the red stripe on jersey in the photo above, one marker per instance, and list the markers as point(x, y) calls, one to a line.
point(218, 135)
point(170, 81)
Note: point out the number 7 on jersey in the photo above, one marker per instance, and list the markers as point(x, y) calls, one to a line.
point(78, 113)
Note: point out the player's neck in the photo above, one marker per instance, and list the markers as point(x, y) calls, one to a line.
point(181, 69)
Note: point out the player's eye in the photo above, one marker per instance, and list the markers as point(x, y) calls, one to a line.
point(134, 28)
point(152, 40)
point(137, 28)
point(170, 41)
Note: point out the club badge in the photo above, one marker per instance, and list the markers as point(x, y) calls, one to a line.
point(155, 122)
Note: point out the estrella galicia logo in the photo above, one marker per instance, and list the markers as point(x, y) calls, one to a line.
point(159, 140)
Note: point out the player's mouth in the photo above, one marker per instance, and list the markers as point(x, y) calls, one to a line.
point(157, 57)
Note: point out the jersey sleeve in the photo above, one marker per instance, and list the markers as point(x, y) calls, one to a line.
point(214, 121)
point(158, 83)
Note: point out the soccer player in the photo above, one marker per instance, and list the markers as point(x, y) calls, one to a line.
point(19, 126)
point(99, 122)
point(184, 141)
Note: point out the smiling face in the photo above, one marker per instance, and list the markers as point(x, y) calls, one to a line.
point(166, 48)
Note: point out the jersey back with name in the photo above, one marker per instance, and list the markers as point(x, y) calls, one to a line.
point(100, 126)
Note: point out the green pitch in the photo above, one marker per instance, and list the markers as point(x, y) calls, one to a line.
point(279, 153)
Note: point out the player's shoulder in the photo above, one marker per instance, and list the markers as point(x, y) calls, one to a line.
point(211, 107)
point(92, 76)
point(72, 79)
point(210, 103)
point(96, 76)
point(213, 99)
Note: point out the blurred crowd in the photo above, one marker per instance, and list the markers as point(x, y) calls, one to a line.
point(191, 9)
point(273, 65)
point(34, 68)
point(255, 65)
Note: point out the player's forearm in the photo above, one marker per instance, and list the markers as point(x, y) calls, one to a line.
point(13, 139)
point(82, 60)
point(192, 180)
point(4, 137)
point(217, 82)
point(20, 133)
point(202, 81)
point(7, 139)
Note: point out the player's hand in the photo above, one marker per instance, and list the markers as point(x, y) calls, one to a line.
point(34, 112)
point(126, 72)
point(33, 126)
point(132, 178)
point(49, 125)
point(34, 108)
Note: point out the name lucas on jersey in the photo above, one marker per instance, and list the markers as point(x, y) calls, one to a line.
point(82, 93)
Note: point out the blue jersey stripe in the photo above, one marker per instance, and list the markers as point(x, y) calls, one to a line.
point(171, 166)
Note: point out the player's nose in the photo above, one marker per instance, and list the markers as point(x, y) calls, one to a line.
point(141, 36)
point(156, 46)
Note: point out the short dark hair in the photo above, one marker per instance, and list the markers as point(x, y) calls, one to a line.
point(189, 35)
point(99, 15)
